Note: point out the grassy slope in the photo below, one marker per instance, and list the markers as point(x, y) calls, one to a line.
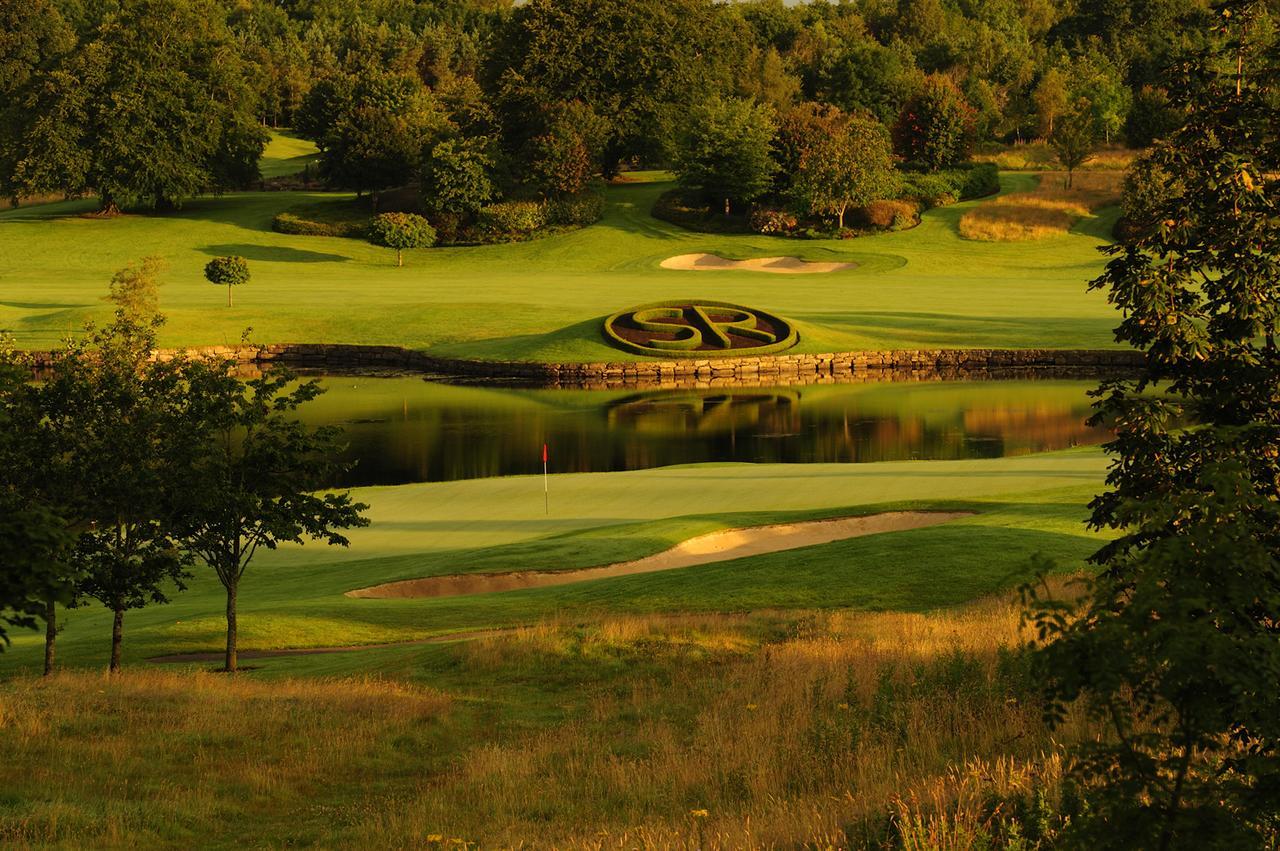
point(543, 300)
point(293, 598)
point(287, 153)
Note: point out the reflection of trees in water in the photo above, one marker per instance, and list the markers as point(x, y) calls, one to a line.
point(429, 440)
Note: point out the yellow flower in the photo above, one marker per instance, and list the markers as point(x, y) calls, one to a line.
point(699, 813)
point(435, 837)
point(751, 707)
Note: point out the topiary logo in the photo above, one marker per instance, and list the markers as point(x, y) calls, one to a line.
point(698, 328)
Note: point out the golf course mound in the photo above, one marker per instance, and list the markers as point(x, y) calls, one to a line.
point(698, 328)
point(703, 549)
point(774, 265)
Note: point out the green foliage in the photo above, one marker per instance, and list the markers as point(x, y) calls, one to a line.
point(1150, 117)
point(1148, 190)
point(567, 153)
point(1176, 643)
point(370, 126)
point(34, 549)
point(583, 208)
point(301, 223)
point(401, 231)
point(229, 272)
point(455, 176)
point(513, 217)
point(849, 168)
point(935, 128)
point(951, 185)
point(723, 151)
point(152, 105)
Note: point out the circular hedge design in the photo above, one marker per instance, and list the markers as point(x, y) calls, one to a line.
point(697, 328)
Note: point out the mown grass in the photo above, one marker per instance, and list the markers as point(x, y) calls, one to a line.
point(1048, 210)
point(287, 154)
point(294, 597)
point(711, 731)
point(544, 300)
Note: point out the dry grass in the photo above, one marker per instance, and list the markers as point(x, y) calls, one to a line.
point(1049, 210)
point(695, 732)
point(1040, 156)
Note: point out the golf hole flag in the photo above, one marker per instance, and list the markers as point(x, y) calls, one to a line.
point(546, 494)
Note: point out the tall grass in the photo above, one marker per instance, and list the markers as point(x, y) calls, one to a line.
point(832, 729)
point(1040, 156)
point(1051, 209)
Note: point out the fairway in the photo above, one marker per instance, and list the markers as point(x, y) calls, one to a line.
point(544, 300)
point(294, 597)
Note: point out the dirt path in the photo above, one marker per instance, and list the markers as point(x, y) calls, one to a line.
point(704, 549)
point(775, 265)
point(312, 651)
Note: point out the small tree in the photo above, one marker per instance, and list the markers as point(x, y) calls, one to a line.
point(1074, 138)
point(936, 127)
point(228, 272)
point(725, 150)
point(252, 481)
point(851, 167)
point(401, 231)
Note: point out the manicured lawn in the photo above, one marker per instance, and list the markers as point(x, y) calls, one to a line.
point(286, 154)
point(544, 299)
point(294, 597)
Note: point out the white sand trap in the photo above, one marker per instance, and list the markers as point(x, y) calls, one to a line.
point(704, 549)
point(776, 265)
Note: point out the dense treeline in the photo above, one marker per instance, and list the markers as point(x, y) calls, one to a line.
point(481, 101)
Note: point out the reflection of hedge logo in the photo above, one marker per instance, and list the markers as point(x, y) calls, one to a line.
point(698, 329)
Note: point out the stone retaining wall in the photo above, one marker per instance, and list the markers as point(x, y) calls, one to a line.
point(691, 372)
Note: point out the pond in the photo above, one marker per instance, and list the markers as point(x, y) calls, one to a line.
point(405, 429)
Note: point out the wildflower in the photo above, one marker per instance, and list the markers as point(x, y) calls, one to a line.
point(435, 837)
point(699, 813)
point(751, 707)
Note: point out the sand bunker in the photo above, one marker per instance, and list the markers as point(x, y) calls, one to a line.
point(704, 549)
point(776, 265)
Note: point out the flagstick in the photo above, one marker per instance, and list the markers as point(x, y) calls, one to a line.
point(546, 493)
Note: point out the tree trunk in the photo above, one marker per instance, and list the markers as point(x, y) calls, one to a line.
point(107, 205)
point(399, 257)
point(230, 300)
point(50, 635)
point(840, 218)
point(726, 206)
point(117, 639)
point(373, 201)
point(231, 660)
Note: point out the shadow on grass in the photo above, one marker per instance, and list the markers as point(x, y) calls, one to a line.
point(272, 253)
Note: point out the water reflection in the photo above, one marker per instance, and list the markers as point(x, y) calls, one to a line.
point(408, 430)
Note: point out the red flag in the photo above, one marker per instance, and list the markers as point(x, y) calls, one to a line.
point(544, 453)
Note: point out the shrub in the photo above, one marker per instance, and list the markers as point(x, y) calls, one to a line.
point(581, 208)
point(401, 231)
point(895, 214)
point(513, 217)
point(772, 221)
point(947, 187)
point(292, 223)
point(682, 209)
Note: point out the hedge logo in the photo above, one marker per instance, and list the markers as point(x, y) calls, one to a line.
point(698, 329)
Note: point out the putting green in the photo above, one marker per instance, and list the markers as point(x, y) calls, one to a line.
point(544, 300)
point(295, 597)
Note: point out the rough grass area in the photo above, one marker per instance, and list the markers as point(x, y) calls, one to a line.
point(714, 731)
point(1040, 156)
point(544, 300)
point(1048, 210)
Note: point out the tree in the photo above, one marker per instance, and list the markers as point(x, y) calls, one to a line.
point(936, 127)
point(151, 106)
point(1176, 645)
point(227, 272)
point(1150, 117)
point(370, 127)
point(724, 151)
point(114, 431)
point(567, 153)
point(849, 168)
point(455, 176)
point(252, 483)
point(1051, 99)
point(638, 62)
point(1074, 138)
point(401, 231)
